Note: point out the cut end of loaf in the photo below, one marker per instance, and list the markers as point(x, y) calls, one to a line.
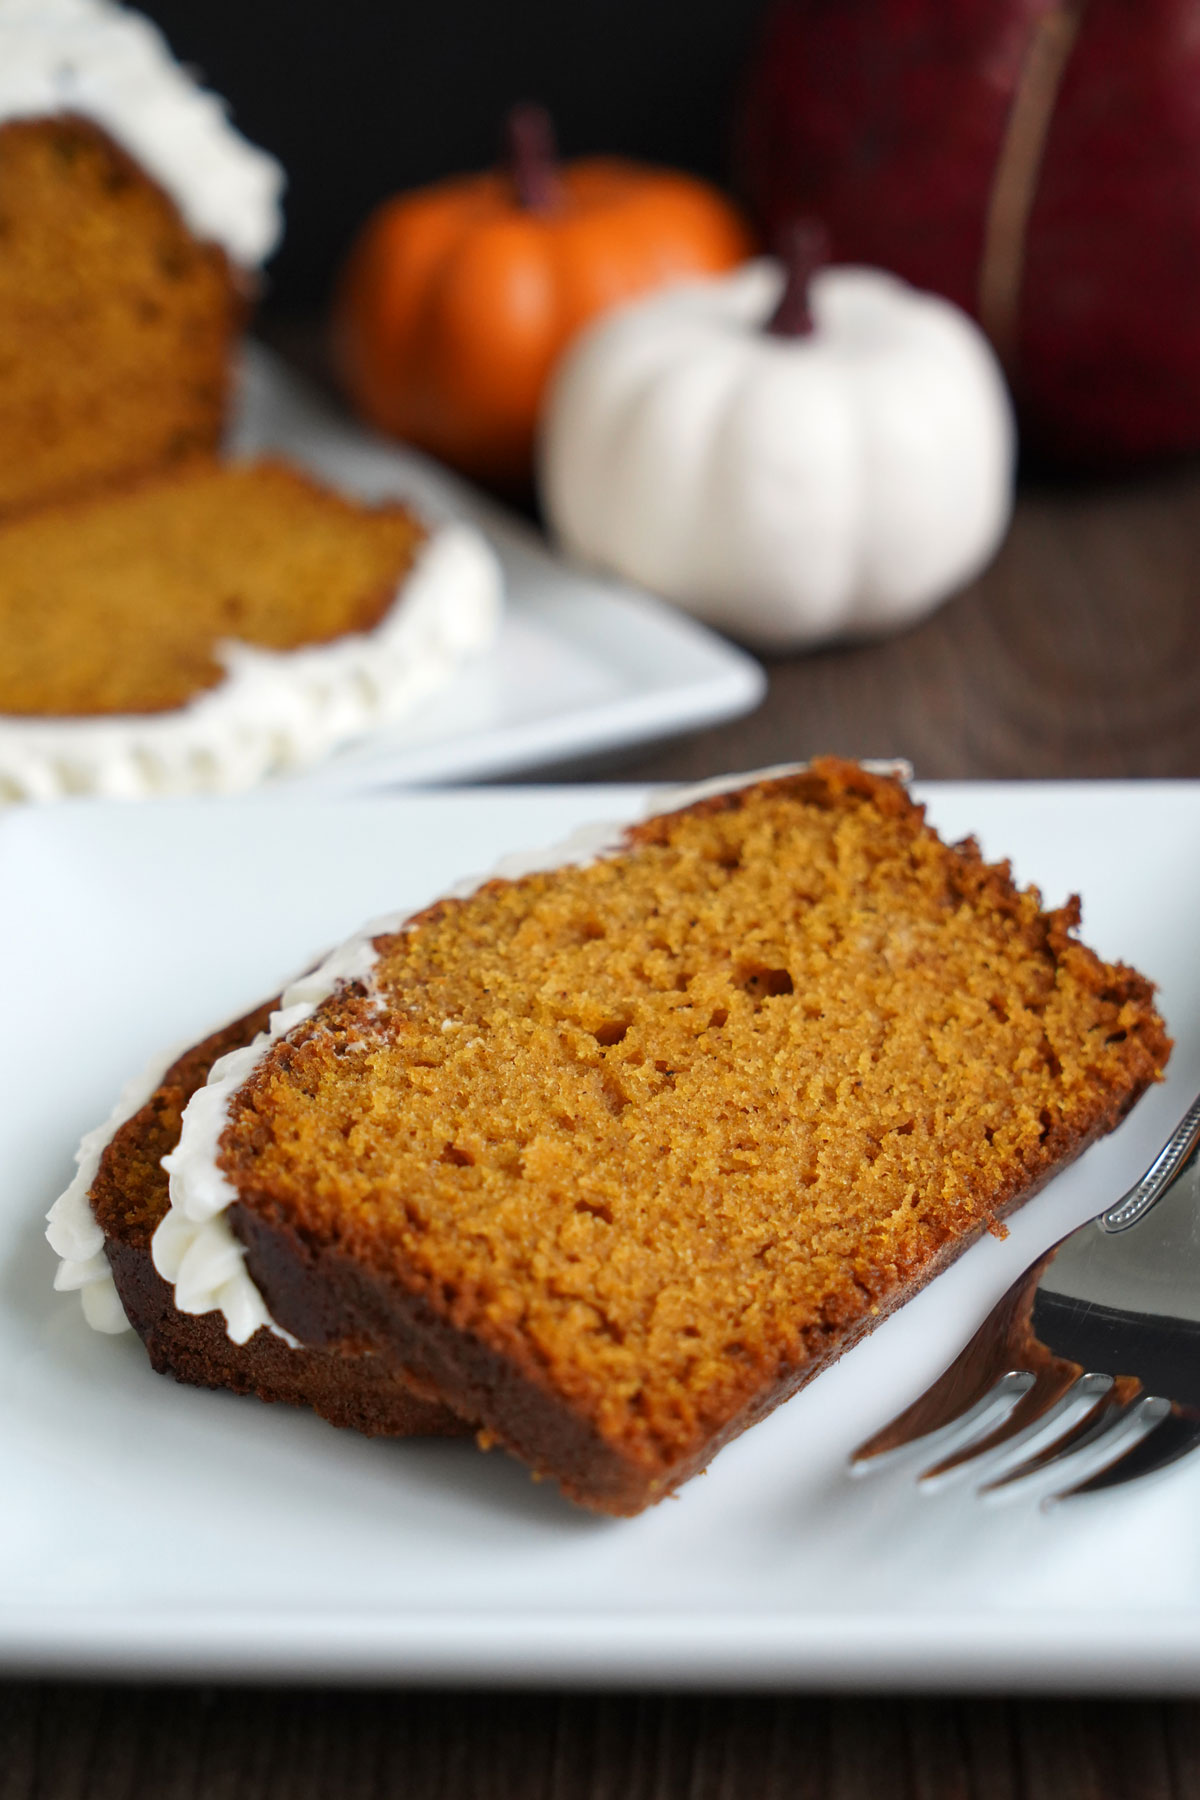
point(117, 324)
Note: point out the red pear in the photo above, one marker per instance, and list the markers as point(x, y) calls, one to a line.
point(1037, 161)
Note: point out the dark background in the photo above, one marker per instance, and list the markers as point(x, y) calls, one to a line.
point(360, 98)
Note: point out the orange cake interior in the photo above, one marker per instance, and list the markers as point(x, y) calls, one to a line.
point(116, 324)
point(664, 1132)
point(117, 604)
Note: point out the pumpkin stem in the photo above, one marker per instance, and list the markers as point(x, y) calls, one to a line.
point(533, 158)
point(803, 249)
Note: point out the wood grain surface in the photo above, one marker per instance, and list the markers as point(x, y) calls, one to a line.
point(147, 1743)
point(1076, 654)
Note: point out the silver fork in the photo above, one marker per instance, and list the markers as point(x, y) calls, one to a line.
point(1098, 1342)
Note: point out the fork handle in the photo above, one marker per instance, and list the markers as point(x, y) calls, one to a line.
point(1162, 1174)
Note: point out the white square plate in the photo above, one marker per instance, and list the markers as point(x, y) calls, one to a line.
point(147, 1526)
point(583, 664)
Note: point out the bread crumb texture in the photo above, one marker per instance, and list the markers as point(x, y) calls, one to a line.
point(116, 324)
point(668, 1131)
point(117, 604)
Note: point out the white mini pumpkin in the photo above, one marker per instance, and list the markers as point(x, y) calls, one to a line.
point(837, 482)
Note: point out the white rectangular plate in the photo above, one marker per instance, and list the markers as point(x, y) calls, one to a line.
point(583, 664)
point(147, 1526)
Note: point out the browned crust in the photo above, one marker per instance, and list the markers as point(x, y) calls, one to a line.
point(322, 1295)
point(345, 1383)
point(327, 1295)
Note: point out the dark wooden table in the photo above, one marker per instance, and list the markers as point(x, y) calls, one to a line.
point(1077, 654)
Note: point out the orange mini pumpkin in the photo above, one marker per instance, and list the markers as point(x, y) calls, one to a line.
point(457, 299)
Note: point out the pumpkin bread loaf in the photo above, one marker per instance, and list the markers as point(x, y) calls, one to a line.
point(116, 323)
point(614, 1158)
point(346, 1384)
point(117, 604)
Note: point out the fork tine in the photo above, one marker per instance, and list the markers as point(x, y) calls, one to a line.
point(1173, 1435)
point(1054, 1389)
point(941, 1406)
point(1110, 1408)
point(982, 1371)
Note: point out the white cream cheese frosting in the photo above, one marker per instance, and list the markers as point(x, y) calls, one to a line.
point(275, 710)
point(72, 1231)
point(194, 1247)
point(113, 66)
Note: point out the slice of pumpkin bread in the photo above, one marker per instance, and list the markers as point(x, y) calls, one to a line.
point(346, 1384)
point(614, 1157)
point(124, 603)
point(202, 629)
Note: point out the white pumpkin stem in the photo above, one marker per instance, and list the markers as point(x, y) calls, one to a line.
point(803, 249)
point(533, 158)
